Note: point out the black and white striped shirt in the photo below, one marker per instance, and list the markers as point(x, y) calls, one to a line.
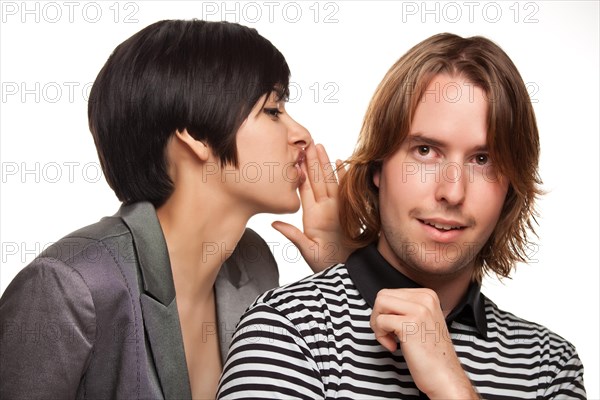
point(312, 340)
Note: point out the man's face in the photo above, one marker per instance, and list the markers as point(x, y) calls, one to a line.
point(439, 194)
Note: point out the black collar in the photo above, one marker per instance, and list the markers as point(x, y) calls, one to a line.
point(370, 272)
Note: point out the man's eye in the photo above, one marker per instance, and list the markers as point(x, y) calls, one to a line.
point(423, 150)
point(482, 159)
point(273, 112)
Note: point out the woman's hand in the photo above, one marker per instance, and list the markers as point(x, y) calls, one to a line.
point(321, 244)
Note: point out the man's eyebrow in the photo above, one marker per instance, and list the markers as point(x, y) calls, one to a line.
point(421, 138)
point(429, 141)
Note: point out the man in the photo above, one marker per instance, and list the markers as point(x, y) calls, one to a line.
point(440, 190)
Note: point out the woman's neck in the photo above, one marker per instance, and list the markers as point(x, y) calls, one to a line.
point(200, 234)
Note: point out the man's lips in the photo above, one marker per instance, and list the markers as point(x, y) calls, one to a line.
point(443, 224)
point(442, 231)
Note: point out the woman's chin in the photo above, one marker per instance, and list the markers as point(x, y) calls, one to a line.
point(287, 206)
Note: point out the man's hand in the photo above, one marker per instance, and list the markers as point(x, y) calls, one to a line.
point(415, 318)
point(321, 243)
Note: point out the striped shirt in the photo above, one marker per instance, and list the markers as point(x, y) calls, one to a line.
point(312, 340)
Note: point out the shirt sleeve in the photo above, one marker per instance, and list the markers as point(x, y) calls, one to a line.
point(47, 322)
point(567, 383)
point(269, 359)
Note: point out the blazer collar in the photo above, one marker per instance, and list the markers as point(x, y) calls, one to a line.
point(238, 284)
point(233, 287)
point(159, 307)
point(232, 301)
point(151, 249)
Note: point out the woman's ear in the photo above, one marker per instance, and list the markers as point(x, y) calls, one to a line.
point(197, 147)
point(376, 177)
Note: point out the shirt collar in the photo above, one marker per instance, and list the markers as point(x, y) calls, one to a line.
point(370, 272)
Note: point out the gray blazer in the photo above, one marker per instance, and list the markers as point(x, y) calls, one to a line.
point(94, 316)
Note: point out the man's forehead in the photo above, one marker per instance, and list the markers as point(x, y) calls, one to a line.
point(452, 88)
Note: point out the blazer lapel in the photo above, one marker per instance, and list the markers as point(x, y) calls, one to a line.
point(164, 334)
point(159, 306)
point(248, 272)
point(233, 296)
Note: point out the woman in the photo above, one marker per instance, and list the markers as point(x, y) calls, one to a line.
point(189, 122)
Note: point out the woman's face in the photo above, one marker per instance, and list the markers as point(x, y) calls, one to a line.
point(270, 151)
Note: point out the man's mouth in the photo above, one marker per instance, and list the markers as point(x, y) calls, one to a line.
point(443, 226)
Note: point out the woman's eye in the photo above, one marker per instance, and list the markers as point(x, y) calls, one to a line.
point(273, 112)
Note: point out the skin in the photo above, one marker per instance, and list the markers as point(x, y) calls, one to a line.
point(440, 175)
point(270, 144)
point(212, 204)
point(320, 244)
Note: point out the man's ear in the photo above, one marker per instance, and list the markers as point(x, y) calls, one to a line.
point(197, 147)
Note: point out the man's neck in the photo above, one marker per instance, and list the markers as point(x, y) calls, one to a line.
point(450, 292)
point(450, 284)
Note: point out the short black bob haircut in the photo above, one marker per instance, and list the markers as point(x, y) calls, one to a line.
point(173, 75)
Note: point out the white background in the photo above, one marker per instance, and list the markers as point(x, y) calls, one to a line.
point(52, 51)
